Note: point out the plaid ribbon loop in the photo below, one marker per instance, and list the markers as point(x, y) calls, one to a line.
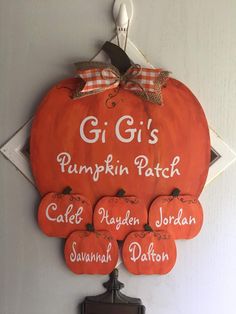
point(96, 77)
point(110, 77)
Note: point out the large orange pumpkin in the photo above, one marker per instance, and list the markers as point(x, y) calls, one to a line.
point(91, 252)
point(145, 148)
point(120, 214)
point(61, 213)
point(180, 215)
point(149, 252)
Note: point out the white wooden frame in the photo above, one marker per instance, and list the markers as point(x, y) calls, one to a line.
point(15, 150)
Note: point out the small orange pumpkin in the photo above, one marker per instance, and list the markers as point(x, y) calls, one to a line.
point(120, 214)
point(91, 252)
point(59, 214)
point(180, 215)
point(149, 252)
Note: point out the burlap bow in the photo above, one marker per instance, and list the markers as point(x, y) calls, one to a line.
point(97, 77)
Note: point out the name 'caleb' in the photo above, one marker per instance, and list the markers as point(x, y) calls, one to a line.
point(69, 216)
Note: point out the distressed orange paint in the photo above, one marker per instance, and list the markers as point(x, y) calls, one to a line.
point(100, 143)
point(91, 252)
point(149, 252)
point(59, 214)
point(181, 215)
point(120, 215)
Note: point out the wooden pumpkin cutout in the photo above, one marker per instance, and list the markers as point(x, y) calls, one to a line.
point(91, 252)
point(180, 215)
point(120, 214)
point(59, 214)
point(149, 252)
point(114, 139)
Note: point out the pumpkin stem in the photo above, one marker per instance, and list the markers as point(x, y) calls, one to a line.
point(120, 193)
point(147, 227)
point(90, 227)
point(175, 192)
point(67, 190)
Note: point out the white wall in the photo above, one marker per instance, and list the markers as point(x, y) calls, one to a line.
point(39, 40)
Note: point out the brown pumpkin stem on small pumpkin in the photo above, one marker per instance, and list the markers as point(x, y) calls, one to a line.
point(67, 190)
point(147, 227)
point(90, 227)
point(120, 193)
point(175, 192)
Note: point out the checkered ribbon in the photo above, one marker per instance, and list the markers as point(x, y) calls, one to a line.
point(96, 77)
